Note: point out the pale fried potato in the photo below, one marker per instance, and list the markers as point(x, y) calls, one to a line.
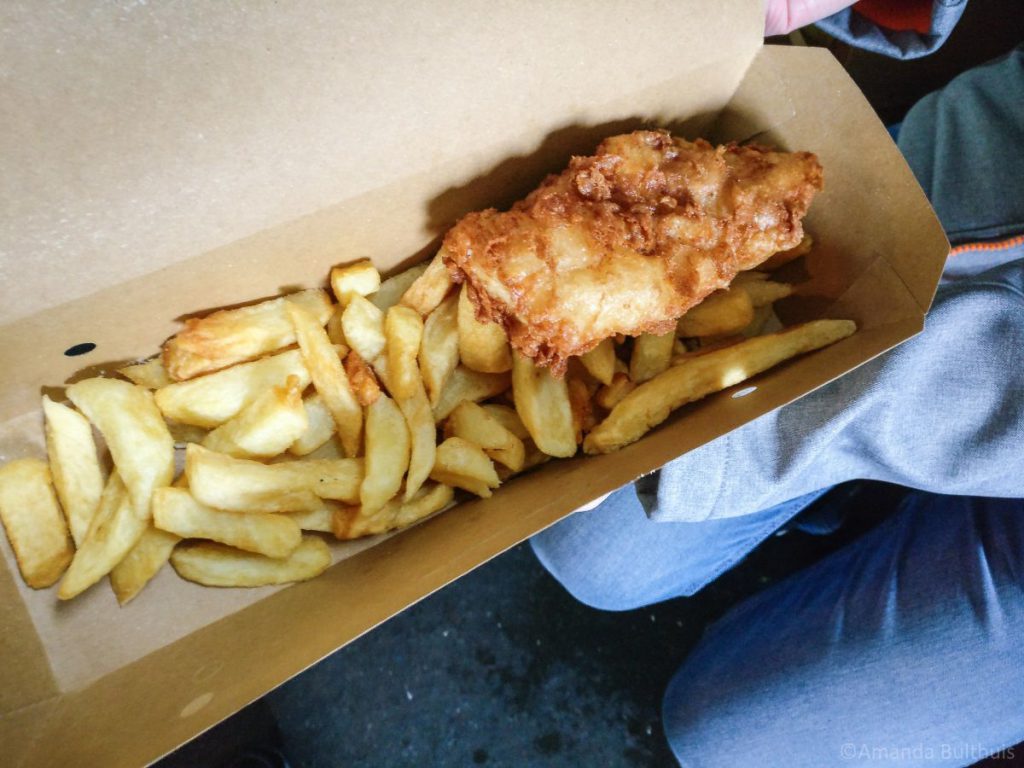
point(471, 422)
point(508, 418)
point(234, 336)
point(316, 519)
point(651, 355)
point(583, 419)
point(150, 374)
point(483, 346)
point(387, 454)
point(177, 512)
point(534, 458)
point(215, 565)
point(764, 292)
point(335, 332)
point(363, 325)
point(186, 433)
point(600, 361)
point(114, 531)
point(140, 444)
point(319, 429)
point(651, 403)
point(765, 321)
point(422, 431)
point(209, 401)
point(439, 350)
point(360, 278)
point(391, 290)
point(264, 428)
point(784, 257)
point(542, 402)
point(429, 289)
point(403, 329)
point(361, 379)
point(35, 527)
point(329, 377)
point(464, 384)
point(464, 465)
point(722, 312)
point(241, 485)
point(74, 465)
point(609, 396)
point(142, 563)
point(353, 522)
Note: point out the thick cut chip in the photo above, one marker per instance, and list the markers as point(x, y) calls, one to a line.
point(316, 519)
point(651, 355)
point(722, 312)
point(329, 378)
point(113, 533)
point(265, 427)
point(465, 384)
point(363, 325)
point(361, 379)
point(74, 465)
point(177, 512)
point(319, 428)
point(391, 290)
point(508, 418)
point(403, 329)
point(543, 404)
point(650, 403)
point(429, 289)
point(241, 485)
point(422, 431)
point(609, 396)
point(600, 361)
point(236, 335)
point(583, 419)
point(209, 401)
point(150, 374)
point(764, 292)
point(483, 346)
point(33, 521)
point(387, 454)
point(142, 563)
point(784, 257)
point(360, 278)
point(464, 465)
point(353, 522)
point(215, 565)
point(140, 444)
point(471, 422)
point(439, 350)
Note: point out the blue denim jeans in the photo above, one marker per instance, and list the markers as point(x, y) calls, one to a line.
point(904, 648)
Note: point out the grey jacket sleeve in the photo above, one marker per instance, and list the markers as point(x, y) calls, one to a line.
point(854, 29)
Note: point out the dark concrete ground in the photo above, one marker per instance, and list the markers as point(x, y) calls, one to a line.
point(503, 668)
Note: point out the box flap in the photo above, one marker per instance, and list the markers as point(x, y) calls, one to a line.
point(136, 135)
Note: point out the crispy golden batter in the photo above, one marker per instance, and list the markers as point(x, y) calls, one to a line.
point(628, 239)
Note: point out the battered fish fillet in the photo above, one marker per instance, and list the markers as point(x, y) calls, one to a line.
point(625, 241)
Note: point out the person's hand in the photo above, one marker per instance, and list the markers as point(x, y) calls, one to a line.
point(783, 16)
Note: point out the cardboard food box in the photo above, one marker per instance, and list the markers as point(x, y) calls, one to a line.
point(164, 159)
